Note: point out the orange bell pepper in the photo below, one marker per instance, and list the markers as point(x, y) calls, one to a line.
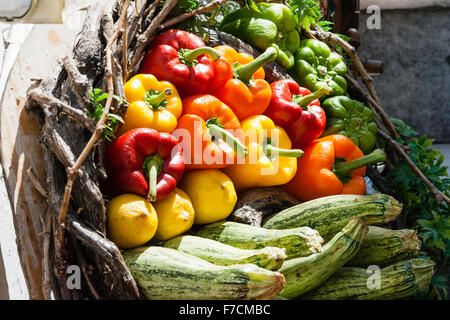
point(241, 58)
point(246, 94)
point(211, 129)
point(331, 165)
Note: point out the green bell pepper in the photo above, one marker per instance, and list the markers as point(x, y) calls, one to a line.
point(317, 67)
point(352, 119)
point(274, 24)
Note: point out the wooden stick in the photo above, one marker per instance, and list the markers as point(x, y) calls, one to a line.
point(46, 273)
point(192, 13)
point(125, 45)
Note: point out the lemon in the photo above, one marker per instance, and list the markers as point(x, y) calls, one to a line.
point(212, 194)
point(175, 215)
point(132, 221)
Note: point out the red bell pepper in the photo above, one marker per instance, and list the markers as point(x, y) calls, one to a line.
point(183, 59)
point(298, 111)
point(146, 162)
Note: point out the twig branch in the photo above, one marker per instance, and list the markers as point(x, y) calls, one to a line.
point(80, 83)
point(48, 100)
point(36, 183)
point(192, 13)
point(84, 269)
point(47, 276)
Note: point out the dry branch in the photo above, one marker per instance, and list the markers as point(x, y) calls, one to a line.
point(49, 100)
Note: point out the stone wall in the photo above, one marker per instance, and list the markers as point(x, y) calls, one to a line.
point(415, 48)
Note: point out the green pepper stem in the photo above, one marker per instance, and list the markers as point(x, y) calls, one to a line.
point(155, 100)
point(245, 72)
point(270, 149)
point(190, 55)
point(306, 100)
point(152, 167)
point(215, 130)
point(343, 169)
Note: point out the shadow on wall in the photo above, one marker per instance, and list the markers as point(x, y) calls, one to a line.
point(415, 86)
point(4, 294)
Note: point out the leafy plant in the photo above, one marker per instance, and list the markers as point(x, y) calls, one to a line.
point(183, 6)
point(421, 211)
point(97, 96)
point(198, 23)
point(306, 11)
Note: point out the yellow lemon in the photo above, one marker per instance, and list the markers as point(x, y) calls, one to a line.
point(212, 194)
point(132, 221)
point(175, 215)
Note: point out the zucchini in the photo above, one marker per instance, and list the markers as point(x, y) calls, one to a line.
point(164, 273)
point(383, 247)
point(270, 258)
point(400, 280)
point(299, 242)
point(306, 273)
point(330, 214)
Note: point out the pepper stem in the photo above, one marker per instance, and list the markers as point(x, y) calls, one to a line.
point(245, 72)
point(343, 169)
point(190, 55)
point(216, 129)
point(271, 150)
point(152, 167)
point(304, 101)
point(156, 99)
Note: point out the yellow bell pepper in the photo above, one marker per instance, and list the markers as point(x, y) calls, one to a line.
point(270, 160)
point(153, 104)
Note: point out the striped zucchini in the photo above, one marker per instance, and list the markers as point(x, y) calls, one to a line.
point(400, 280)
point(383, 247)
point(299, 242)
point(270, 258)
point(306, 273)
point(164, 273)
point(330, 214)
